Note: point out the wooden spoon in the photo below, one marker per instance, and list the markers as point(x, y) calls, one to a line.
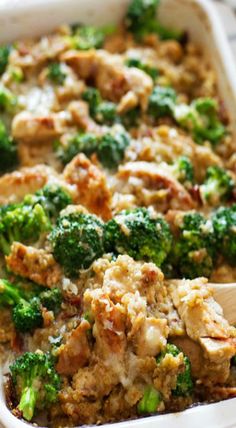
point(225, 295)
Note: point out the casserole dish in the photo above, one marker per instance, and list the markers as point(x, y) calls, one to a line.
point(204, 28)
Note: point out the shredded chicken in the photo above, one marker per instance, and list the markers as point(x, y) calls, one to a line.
point(91, 185)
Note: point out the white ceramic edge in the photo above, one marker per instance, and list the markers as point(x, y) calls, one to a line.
point(218, 415)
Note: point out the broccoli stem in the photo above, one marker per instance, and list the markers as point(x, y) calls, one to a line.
point(28, 402)
point(8, 294)
point(4, 245)
point(150, 401)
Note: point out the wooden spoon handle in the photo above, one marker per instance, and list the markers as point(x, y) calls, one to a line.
point(225, 295)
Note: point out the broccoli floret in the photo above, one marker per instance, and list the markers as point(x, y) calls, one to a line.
point(224, 223)
point(140, 234)
point(8, 101)
point(51, 300)
point(135, 62)
point(27, 310)
point(26, 315)
point(93, 98)
point(8, 150)
point(4, 55)
point(141, 20)
point(131, 118)
point(16, 74)
point(150, 401)
point(217, 187)
point(111, 149)
point(184, 383)
point(87, 37)
point(36, 382)
point(183, 170)
point(162, 102)
point(22, 223)
point(77, 240)
point(201, 119)
point(52, 197)
point(106, 113)
point(56, 73)
point(101, 111)
point(194, 248)
point(80, 143)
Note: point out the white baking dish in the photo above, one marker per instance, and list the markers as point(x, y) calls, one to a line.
point(199, 18)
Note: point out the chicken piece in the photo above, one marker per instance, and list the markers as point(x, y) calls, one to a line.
point(209, 372)
point(140, 84)
point(203, 318)
point(76, 352)
point(85, 63)
point(90, 181)
point(32, 128)
point(127, 102)
point(30, 55)
point(110, 76)
point(109, 324)
point(152, 337)
point(37, 265)
point(15, 185)
point(154, 185)
point(80, 115)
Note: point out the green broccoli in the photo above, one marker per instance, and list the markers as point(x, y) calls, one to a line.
point(51, 300)
point(52, 197)
point(77, 240)
point(150, 401)
point(135, 62)
point(22, 223)
point(184, 383)
point(26, 315)
point(183, 171)
point(4, 56)
point(111, 149)
point(140, 234)
point(10, 294)
point(131, 118)
point(224, 223)
point(103, 112)
point(8, 101)
point(141, 20)
point(89, 37)
point(106, 113)
point(93, 98)
point(27, 310)
point(56, 73)
point(217, 187)
point(162, 102)
point(36, 382)
point(80, 143)
point(201, 119)
point(8, 150)
point(194, 248)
